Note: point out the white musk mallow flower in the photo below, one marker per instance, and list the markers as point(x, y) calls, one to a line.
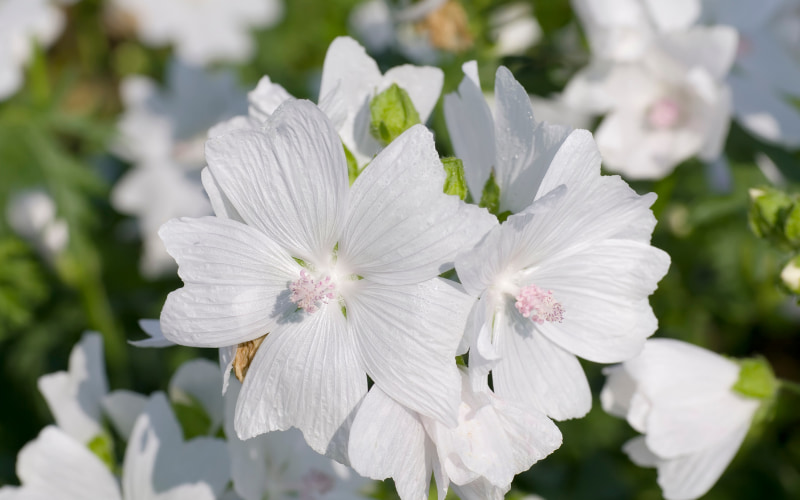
point(309, 285)
point(570, 270)
point(694, 408)
point(663, 108)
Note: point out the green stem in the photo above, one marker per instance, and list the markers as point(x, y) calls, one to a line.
point(790, 386)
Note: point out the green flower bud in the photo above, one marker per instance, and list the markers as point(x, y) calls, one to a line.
point(769, 209)
point(392, 113)
point(454, 183)
point(791, 228)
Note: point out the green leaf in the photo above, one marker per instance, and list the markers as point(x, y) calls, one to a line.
point(490, 199)
point(392, 113)
point(454, 182)
point(791, 227)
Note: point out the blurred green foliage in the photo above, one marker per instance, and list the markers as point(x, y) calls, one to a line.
point(722, 291)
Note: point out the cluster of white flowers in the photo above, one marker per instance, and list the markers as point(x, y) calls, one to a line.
point(668, 76)
point(75, 459)
point(329, 264)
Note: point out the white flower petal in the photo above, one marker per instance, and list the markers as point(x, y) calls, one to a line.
point(197, 381)
point(690, 477)
point(357, 76)
point(535, 371)
point(266, 98)
point(306, 374)
point(123, 408)
point(219, 202)
point(422, 83)
point(471, 128)
point(74, 397)
point(288, 179)
point(713, 48)
point(408, 337)
point(54, 465)
point(639, 453)
point(480, 489)
point(525, 148)
point(401, 228)
point(674, 15)
point(604, 291)
point(236, 282)
point(226, 357)
point(387, 440)
point(151, 327)
point(160, 466)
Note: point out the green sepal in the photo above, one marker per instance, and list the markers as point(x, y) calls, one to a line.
point(352, 165)
point(454, 182)
point(103, 448)
point(490, 199)
point(392, 112)
point(756, 379)
point(791, 227)
point(192, 416)
point(769, 214)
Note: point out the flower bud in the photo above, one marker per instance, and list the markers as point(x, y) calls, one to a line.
point(392, 113)
point(769, 209)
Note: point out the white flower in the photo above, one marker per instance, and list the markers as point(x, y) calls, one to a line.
point(32, 215)
point(158, 465)
point(622, 30)
point(494, 440)
point(355, 79)
point(162, 133)
point(350, 79)
point(671, 104)
point(201, 32)
point(280, 465)
point(23, 23)
point(332, 282)
point(75, 397)
point(511, 144)
point(681, 397)
point(514, 28)
point(570, 273)
point(767, 71)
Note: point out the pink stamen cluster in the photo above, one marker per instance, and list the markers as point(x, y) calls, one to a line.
point(308, 292)
point(539, 305)
point(315, 483)
point(665, 113)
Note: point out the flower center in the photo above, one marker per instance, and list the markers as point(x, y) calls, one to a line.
point(308, 292)
point(665, 113)
point(539, 305)
point(316, 482)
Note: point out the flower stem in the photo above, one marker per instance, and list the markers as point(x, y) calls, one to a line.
point(790, 386)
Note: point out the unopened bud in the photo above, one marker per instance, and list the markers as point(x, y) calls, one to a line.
point(392, 113)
